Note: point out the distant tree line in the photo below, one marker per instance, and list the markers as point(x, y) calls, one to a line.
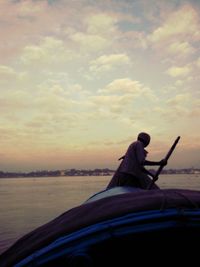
point(94, 172)
point(29, 174)
point(45, 173)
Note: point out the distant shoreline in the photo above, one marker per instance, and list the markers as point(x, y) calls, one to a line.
point(94, 172)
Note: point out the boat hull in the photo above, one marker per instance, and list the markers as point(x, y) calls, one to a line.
point(115, 227)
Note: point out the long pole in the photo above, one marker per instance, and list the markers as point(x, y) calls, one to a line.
point(162, 166)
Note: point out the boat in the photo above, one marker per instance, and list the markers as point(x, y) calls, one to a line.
point(119, 226)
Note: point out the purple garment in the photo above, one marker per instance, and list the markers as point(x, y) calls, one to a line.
point(131, 170)
point(134, 159)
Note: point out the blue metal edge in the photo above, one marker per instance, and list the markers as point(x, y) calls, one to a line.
point(135, 222)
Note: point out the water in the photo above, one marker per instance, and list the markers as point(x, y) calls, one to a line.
point(26, 203)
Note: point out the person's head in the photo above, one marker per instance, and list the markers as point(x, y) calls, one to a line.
point(144, 138)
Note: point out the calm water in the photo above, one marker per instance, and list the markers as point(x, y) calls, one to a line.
point(26, 203)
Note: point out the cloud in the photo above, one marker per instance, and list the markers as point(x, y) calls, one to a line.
point(179, 109)
point(21, 23)
point(67, 77)
point(7, 72)
point(179, 71)
point(108, 62)
point(176, 37)
point(113, 104)
point(134, 39)
point(97, 33)
point(13, 101)
point(90, 42)
point(198, 62)
point(25, 23)
point(49, 51)
point(29, 8)
point(180, 48)
point(101, 24)
point(179, 99)
point(118, 96)
point(121, 86)
point(130, 87)
point(183, 22)
point(195, 111)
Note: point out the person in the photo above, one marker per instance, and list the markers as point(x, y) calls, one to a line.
point(132, 171)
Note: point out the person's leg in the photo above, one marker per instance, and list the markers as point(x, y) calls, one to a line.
point(128, 180)
point(114, 181)
point(145, 181)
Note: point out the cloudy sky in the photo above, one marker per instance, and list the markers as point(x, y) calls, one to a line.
point(79, 79)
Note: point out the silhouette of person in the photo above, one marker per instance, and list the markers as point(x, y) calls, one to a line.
point(131, 171)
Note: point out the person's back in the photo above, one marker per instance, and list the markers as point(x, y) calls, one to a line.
point(133, 159)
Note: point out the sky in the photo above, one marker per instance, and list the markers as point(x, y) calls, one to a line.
point(79, 79)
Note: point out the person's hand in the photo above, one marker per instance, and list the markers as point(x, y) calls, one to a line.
point(163, 162)
point(155, 178)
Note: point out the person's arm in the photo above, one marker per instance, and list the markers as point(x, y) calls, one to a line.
point(162, 162)
point(148, 172)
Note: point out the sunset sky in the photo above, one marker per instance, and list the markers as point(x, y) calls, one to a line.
point(80, 79)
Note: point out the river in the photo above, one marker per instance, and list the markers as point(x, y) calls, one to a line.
point(26, 203)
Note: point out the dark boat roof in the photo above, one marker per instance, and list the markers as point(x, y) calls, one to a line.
point(103, 206)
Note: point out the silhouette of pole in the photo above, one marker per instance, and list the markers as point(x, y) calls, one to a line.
point(162, 166)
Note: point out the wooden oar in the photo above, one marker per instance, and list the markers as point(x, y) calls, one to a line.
point(162, 166)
